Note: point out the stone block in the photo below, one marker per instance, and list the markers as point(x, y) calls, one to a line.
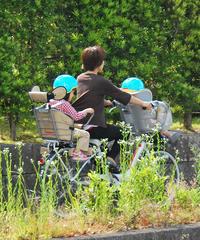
point(29, 154)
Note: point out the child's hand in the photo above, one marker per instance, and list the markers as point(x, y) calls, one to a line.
point(89, 110)
point(107, 103)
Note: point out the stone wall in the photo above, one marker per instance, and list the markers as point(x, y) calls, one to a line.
point(30, 154)
point(187, 157)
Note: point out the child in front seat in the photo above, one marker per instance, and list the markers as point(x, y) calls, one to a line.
point(163, 114)
point(64, 105)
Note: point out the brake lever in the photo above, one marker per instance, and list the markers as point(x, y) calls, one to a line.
point(114, 106)
point(111, 109)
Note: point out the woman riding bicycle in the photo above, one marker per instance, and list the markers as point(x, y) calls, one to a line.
point(97, 87)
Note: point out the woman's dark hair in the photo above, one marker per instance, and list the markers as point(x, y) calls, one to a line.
point(92, 57)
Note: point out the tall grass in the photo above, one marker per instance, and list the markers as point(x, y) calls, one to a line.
point(139, 200)
point(196, 151)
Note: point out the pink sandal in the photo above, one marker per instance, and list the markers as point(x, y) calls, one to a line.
point(80, 156)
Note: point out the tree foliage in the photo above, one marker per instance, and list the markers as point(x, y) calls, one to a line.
point(155, 40)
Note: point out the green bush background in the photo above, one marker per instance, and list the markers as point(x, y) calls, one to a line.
point(157, 41)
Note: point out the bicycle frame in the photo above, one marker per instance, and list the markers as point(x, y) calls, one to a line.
point(136, 155)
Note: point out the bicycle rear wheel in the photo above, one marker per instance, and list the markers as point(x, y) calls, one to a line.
point(55, 177)
point(66, 174)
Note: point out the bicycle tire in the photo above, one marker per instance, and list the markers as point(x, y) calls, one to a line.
point(68, 177)
point(171, 168)
point(60, 179)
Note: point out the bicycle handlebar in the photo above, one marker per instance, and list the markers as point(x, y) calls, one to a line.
point(153, 106)
point(116, 103)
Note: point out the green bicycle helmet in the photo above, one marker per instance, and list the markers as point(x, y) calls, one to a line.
point(66, 81)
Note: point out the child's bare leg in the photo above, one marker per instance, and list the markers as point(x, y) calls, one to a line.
point(82, 137)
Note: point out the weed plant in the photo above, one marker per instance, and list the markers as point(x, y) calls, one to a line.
point(140, 199)
point(196, 151)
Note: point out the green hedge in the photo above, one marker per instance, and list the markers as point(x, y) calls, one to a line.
point(157, 41)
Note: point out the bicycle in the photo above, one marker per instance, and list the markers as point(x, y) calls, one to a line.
point(59, 164)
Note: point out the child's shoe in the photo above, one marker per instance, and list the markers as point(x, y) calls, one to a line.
point(80, 156)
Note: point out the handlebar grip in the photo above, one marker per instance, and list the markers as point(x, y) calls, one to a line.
point(114, 103)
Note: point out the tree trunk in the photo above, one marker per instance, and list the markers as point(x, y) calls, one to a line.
point(12, 125)
point(188, 120)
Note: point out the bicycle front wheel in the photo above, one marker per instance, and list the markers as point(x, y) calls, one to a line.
point(168, 167)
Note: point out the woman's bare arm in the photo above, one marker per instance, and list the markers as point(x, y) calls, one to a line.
point(136, 101)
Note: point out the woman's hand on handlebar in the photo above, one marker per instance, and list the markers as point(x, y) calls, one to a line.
point(147, 106)
point(136, 101)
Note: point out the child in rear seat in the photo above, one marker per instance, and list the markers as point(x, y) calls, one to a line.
point(64, 105)
point(135, 84)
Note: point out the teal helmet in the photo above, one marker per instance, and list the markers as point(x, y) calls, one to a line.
point(133, 83)
point(66, 81)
